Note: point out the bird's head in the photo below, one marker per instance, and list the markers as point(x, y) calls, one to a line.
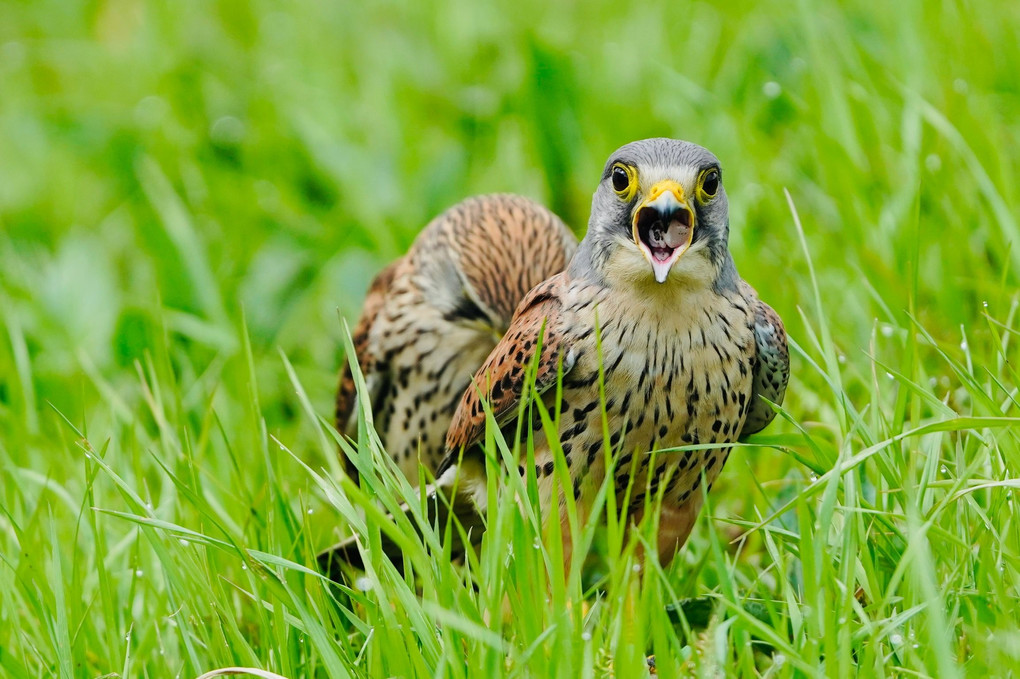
point(659, 215)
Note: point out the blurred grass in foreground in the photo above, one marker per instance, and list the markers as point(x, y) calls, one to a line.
point(189, 190)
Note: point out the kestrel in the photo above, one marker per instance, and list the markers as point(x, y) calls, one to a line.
point(653, 302)
point(431, 318)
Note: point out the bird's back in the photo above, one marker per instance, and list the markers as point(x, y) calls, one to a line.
point(432, 317)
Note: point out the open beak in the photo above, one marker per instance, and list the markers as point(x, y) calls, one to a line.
point(663, 227)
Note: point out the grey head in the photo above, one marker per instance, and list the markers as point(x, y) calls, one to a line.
point(659, 218)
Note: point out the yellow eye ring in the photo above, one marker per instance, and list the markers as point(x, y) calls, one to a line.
point(709, 182)
point(624, 180)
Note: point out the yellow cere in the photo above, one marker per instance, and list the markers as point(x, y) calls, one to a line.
point(665, 185)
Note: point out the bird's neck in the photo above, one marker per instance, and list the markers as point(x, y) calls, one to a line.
point(626, 272)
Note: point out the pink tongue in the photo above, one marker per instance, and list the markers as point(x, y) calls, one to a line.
point(661, 254)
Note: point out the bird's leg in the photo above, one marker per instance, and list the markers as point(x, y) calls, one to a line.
point(558, 521)
point(568, 541)
point(673, 528)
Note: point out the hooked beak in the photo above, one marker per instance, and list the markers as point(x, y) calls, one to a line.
point(663, 227)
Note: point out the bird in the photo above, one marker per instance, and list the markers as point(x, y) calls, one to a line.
point(648, 341)
point(431, 317)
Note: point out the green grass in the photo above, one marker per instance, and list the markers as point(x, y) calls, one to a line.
point(189, 191)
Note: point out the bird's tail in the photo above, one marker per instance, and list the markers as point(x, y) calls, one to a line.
point(451, 513)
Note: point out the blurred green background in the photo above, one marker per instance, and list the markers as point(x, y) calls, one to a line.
point(165, 165)
point(173, 173)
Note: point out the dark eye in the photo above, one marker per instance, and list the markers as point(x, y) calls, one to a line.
point(620, 179)
point(711, 183)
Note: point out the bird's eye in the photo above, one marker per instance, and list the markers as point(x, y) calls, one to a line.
point(620, 179)
point(710, 183)
point(624, 178)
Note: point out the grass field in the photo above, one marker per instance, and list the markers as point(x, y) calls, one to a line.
point(190, 191)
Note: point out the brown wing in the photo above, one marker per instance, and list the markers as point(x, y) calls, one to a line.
point(346, 395)
point(771, 369)
point(501, 379)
